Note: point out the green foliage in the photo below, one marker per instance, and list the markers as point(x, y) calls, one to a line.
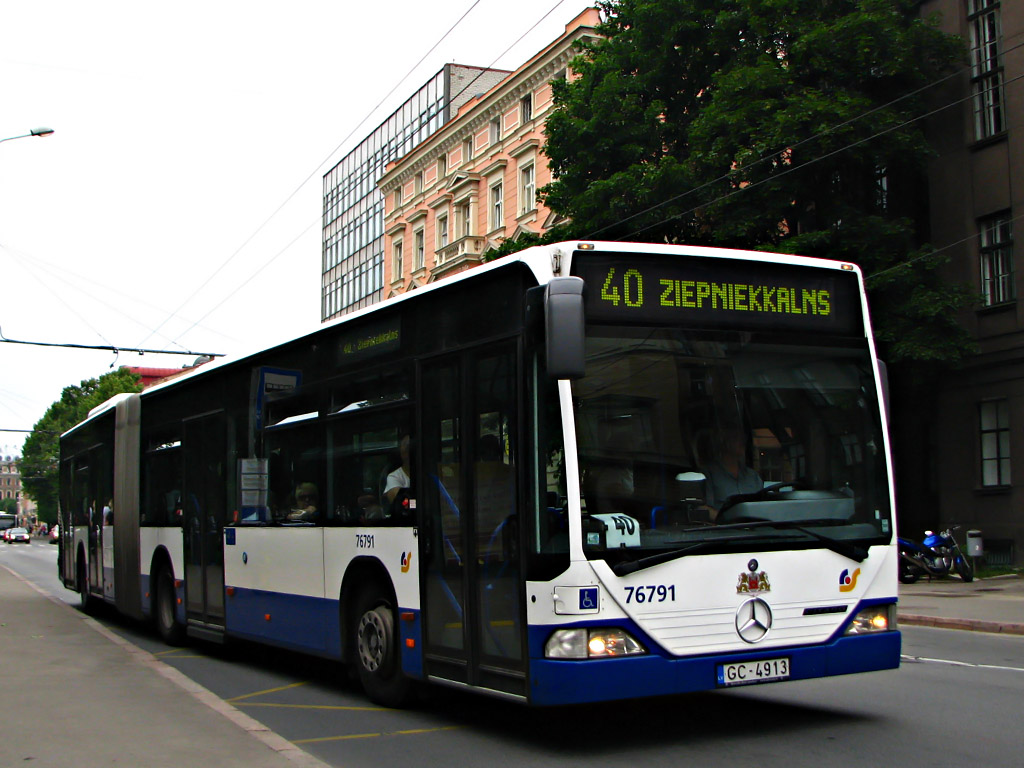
point(40, 454)
point(527, 240)
point(783, 125)
point(9, 505)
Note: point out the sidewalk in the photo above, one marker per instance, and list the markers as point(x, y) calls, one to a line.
point(985, 605)
point(83, 696)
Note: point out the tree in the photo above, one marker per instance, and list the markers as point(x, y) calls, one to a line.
point(784, 125)
point(40, 455)
point(9, 506)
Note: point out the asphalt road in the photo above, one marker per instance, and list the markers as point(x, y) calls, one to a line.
point(955, 701)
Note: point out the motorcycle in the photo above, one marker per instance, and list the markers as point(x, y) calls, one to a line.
point(937, 555)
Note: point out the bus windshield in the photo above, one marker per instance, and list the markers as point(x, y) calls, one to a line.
point(721, 439)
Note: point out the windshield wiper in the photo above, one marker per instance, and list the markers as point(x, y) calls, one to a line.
point(838, 546)
point(632, 566)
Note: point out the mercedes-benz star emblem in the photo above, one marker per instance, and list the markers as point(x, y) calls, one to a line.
point(753, 620)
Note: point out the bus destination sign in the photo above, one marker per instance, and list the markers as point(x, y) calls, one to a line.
point(718, 293)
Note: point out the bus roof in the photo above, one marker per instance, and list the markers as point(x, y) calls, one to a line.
point(544, 261)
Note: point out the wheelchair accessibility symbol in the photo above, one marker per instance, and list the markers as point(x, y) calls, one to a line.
point(588, 599)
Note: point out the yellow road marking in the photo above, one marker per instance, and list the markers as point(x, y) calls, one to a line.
point(309, 706)
point(261, 693)
point(411, 732)
point(190, 656)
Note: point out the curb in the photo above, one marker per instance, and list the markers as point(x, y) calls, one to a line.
point(975, 625)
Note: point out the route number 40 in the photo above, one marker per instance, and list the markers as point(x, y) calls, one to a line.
point(629, 289)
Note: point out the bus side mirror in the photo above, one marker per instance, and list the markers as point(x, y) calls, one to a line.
point(563, 327)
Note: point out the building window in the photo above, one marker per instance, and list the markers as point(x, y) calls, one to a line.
point(465, 220)
point(996, 258)
point(442, 231)
point(986, 70)
point(467, 150)
point(527, 189)
point(995, 442)
point(495, 130)
point(497, 219)
point(418, 183)
point(398, 197)
point(396, 261)
point(442, 166)
point(418, 254)
point(526, 109)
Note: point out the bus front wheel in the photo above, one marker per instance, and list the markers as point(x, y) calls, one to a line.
point(170, 629)
point(377, 653)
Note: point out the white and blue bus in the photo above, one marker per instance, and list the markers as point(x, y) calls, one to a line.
point(584, 472)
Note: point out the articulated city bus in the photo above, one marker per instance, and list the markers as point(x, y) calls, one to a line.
point(584, 472)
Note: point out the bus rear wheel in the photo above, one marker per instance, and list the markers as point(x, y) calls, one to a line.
point(165, 613)
point(376, 650)
point(86, 600)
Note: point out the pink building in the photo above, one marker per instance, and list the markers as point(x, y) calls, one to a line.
point(474, 183)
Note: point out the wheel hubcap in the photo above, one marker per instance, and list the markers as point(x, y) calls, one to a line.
point(372, 640)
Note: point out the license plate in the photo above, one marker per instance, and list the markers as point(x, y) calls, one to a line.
point(750, 672)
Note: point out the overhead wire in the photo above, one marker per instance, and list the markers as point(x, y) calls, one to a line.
point(766, 158)
point(319, 215)
point(803, 165)
point(76, 282)
point(314, 172)
point(769, 156)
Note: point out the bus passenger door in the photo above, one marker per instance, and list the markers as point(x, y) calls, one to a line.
point(204, 514)
point(471, 580)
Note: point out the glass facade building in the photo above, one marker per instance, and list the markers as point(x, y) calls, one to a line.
point(353, 220)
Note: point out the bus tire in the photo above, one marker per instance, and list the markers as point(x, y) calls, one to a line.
point(86, 600)
point(165, 615)
point(377, 655)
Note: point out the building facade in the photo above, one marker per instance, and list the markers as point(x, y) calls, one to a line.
point(473, 184)
point(353, 218)
point(975, 438)
point(10, 488)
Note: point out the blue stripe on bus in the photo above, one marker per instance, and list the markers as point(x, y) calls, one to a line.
point(412, 657)
point(309, 624)
point(557, 682)
point(296, 622)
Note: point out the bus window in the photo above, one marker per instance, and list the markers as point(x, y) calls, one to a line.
point(295, 458)
point(161, 483)
point(551, 523)
point(365, 450)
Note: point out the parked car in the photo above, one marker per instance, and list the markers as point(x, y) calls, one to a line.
point(7, 534)
point(19, 534)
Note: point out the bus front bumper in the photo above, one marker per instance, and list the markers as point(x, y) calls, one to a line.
point(558, 682)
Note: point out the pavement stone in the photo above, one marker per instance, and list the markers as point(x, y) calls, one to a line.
point(983, 605)
point(91, 698)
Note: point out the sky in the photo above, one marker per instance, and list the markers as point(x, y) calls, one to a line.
point(177, 206)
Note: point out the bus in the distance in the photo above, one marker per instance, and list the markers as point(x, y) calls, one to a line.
point(584, 472)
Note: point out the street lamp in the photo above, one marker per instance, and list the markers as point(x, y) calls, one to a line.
point(33, 132)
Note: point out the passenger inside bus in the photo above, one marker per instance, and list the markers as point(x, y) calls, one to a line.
point(307, 501)
point(609, 484)
point(728, 473)
point(398, 481)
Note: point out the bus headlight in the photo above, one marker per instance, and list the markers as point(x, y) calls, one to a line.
point(591, 643)
point(877, 618)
